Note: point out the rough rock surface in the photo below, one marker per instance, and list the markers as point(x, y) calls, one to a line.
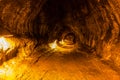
point(95, 29)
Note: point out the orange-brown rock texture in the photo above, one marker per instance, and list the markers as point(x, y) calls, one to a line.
point(59, 39)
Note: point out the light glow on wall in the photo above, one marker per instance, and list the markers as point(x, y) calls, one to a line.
point(53, 45)
point(4, 45)
point(61, 46)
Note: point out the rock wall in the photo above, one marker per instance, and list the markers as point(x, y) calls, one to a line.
point(93, 25)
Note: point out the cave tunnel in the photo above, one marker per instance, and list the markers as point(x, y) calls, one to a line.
point(59, 39)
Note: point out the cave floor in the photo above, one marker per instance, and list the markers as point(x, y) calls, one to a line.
point(74, 66)
point(61, 68)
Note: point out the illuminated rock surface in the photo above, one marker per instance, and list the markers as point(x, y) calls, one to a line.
point(59, 40)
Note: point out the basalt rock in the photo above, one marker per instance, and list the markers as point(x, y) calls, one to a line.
point(91, 28)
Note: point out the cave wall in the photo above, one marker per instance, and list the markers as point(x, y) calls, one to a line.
point(95, 23)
